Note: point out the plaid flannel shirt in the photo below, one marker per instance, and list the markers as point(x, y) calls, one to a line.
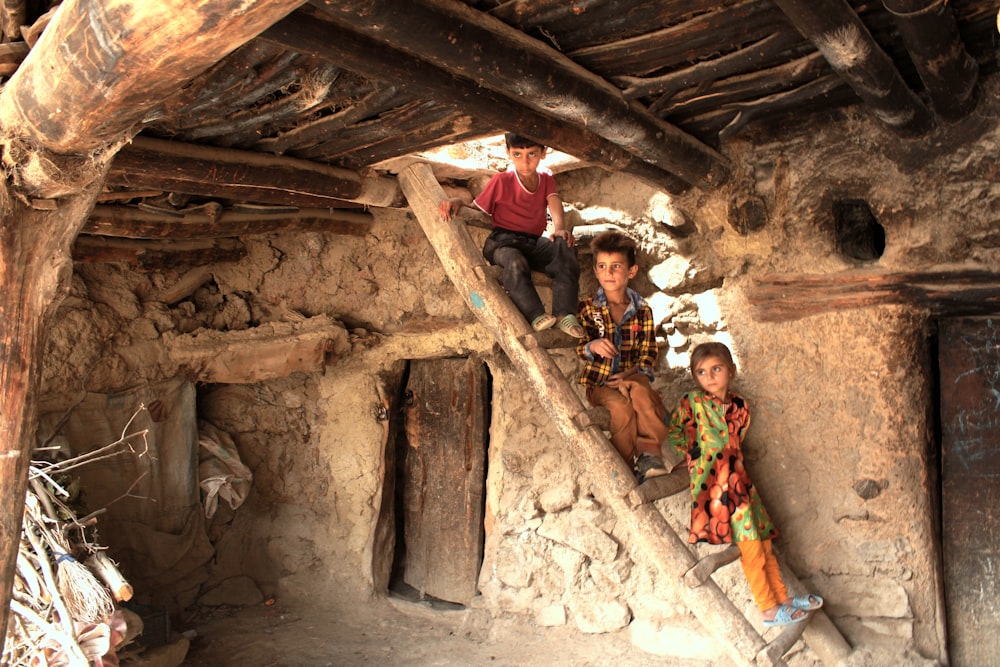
point(634, 337)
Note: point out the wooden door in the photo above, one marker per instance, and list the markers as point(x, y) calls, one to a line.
point(444, 477)
point(969, 360)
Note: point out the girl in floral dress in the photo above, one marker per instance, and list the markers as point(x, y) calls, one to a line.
point(708, 427)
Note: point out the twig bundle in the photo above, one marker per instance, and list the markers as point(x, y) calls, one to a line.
point(62, 613)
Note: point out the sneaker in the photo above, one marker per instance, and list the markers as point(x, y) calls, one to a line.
point(648, 466)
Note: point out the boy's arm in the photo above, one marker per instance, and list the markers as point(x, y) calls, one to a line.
point(559, 230)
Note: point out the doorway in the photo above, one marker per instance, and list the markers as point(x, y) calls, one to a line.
point(440, 481)
point(969, 364)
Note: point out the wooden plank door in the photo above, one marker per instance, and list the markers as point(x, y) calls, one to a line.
point(445, 477)
point(969, 360)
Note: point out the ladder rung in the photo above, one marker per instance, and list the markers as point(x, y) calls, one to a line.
point(781, 644)
point(704, 568)
point(660, 487)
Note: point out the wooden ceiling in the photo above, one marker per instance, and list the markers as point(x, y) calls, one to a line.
point(307, 113)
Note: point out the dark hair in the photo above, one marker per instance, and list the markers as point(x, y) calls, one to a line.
point(711, 349)
point(515, 140)
point(614, 241)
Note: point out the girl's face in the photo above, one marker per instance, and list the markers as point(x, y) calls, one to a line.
point(714, 375)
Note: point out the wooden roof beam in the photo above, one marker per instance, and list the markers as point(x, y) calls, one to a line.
point(485, 51)
point(418, 79)
point(935, 46)
point(246, 175)
point(846, 43)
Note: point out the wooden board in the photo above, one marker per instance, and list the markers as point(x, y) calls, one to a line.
point(445, 477)
point(969, 361)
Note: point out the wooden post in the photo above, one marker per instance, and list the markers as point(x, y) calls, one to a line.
point(98, 68)
point(650, 536)
point(935, 46)
point(836, 30)
point(35, 266)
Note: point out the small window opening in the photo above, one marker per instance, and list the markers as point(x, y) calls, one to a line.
point(859, 234)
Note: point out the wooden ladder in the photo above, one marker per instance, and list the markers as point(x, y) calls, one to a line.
point(649, 534)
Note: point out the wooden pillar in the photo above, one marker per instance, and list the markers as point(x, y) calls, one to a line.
point(935, 46)
point(96, 71)
point(35, 266)
point(844, 40)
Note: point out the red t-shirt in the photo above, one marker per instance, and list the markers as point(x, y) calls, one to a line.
point(512, 206)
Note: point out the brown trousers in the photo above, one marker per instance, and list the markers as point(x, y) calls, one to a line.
point(637, 416)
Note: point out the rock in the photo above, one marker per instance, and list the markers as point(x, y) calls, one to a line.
point(551, 616)
point(597, 616)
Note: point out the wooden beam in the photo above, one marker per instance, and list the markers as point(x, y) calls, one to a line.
point(691, 40)
point(246, 175)
point(477, 47)
point(133, 223)
point(944, 293)
point(935, 46)
point(845, 42)
point(157, 254)
point(101, 65)
point(270, 351)
point(491, 112)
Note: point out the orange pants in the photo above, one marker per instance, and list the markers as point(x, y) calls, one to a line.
point(637, 416)
point(762, 573)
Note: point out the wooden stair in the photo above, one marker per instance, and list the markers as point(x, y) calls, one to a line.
point(650, 536)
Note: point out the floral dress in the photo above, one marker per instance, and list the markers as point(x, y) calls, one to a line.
point(725, 506)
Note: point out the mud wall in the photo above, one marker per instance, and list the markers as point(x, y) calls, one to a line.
point(842, 444)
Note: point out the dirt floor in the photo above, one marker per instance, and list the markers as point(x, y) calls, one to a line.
point(399, 634)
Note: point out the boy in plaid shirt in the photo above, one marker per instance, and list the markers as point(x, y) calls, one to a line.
point(619, 351)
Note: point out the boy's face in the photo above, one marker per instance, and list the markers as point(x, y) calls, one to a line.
point(613, 271)
point(525, 160)
point(713, 376)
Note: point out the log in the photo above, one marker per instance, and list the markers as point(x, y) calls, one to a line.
point(931, 36)
point(410, 128)
point(157, 254)
point(844, 40)
point(762, 53)
point(135, 53)
point(305, 33)
point(707, 565)
point(135, 223)
point(944, 293)
point(246, 175)
point(649, 535)
point(606, 20)
point(677, 45)
point(267, 352)
point(35, 268)
point(488, 52)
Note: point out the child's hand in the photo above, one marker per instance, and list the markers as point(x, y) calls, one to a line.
point(564, 234)
point(602, 347)
point(448, 208)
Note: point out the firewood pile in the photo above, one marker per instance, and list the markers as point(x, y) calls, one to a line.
point(65, 601)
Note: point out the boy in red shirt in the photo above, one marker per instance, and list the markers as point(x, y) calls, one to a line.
point(516, 200)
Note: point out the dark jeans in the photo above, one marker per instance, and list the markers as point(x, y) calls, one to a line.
point(519, 254)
